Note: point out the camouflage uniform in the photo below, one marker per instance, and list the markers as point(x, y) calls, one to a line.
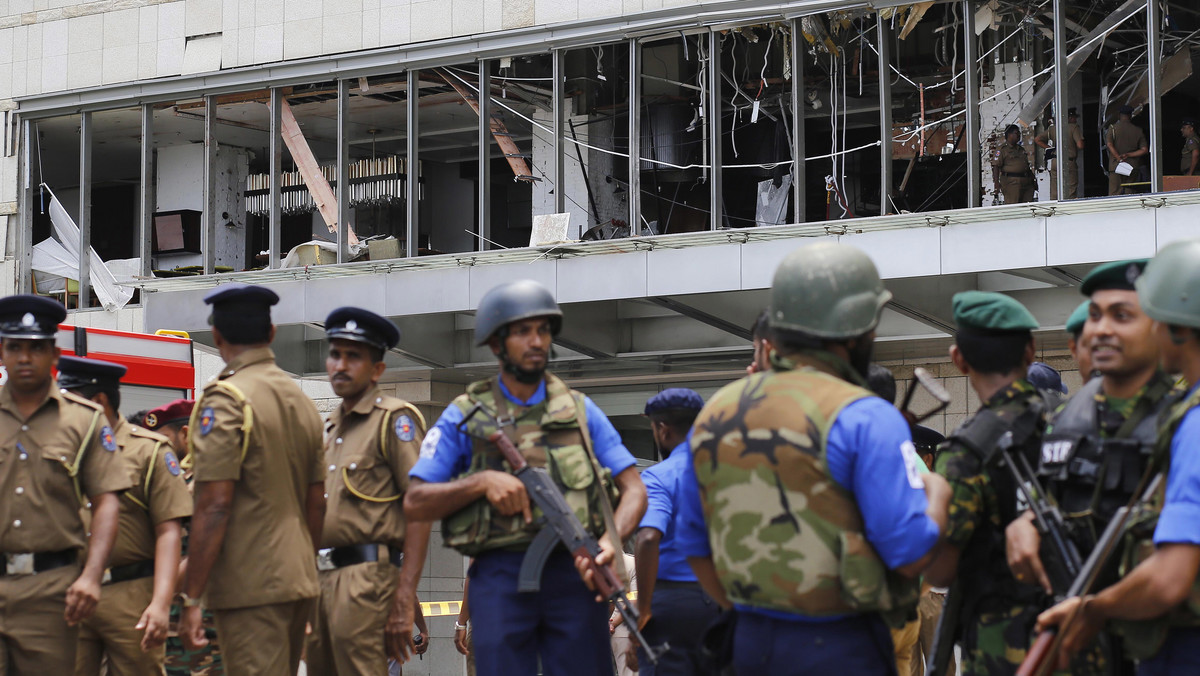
point(760, 461)
point(998, 613)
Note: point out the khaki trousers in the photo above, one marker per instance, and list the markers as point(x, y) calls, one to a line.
point(904, 640)
point(263, 640)
point(1072, 179)
point(1016, 189)
point(34, 637)
point(347, 627)
point(110, 631)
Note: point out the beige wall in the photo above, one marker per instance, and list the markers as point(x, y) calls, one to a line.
point(963, 399)
point(55, 45)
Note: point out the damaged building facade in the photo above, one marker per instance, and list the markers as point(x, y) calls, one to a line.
point(648, 160)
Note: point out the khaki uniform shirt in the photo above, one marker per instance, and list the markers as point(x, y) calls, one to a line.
point(1011, 159)
point(1074, 136)
point(368, 452)
point(1126, 137)
point(148, 503)
point(40, 509)
point(1185, 159)
point(267, 556)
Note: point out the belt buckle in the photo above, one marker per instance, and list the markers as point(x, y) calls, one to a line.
point(325, 559)
point(107, 576)
point(19, 564)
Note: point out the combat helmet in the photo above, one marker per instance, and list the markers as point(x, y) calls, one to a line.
point(1169, 289)
point(827, 290)
point(511, 302)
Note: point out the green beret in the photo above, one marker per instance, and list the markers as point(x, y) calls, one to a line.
point(1116, 275)
point(991, 312)
point(1078, 317)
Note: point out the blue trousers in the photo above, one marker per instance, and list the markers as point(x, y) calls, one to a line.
point(561, 624)
point(860, 645)
point(1180, 654)
point(680, 614)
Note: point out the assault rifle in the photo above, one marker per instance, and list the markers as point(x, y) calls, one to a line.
point(1044, 652)
point(560, 525)
point(1062, 558)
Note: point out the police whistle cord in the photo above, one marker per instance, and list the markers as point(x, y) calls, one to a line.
point(1042, 655)
point(560, 525)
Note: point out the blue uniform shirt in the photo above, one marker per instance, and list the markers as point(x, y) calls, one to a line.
point(869, 451)
point(1181, 509)
point(664, 482)
point(446, 452)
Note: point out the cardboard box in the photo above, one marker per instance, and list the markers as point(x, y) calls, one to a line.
point(383, 249)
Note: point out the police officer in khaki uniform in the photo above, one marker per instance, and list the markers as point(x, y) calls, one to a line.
point(256, 445)
point(1189, 158)
point(1074, 144)
point(1010, 168)
point(57, 453)
point(365, 611)
point(1126, 143)
point(130, 622)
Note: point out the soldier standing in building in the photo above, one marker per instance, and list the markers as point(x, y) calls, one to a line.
point(1073, 145)
point(59, 453)
point(371, 557)
point(805, 507)
point(1011, 173)
point(1126, 143)
point(1097, 445)
point(460, 477)
point(171, 421)
point(129, 626)
point(1155, 602)
point(673, 608)
point(993, 614)
point(1189, 159)
point(255, 442)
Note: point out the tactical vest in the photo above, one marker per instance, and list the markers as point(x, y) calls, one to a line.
point(551, 434)
point(987, 582)
point(1092, 476)
point(784, 534)
point(1144, 639)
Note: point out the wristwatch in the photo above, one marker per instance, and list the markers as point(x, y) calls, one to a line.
point(460, 627)
point(189, 602)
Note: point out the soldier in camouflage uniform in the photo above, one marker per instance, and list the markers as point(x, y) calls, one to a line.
point(171, 421)
point(994, 348)
point(461, 477)
point(1097, 445)
point(1157, 601)
point(804, 506)
point(1189, 157)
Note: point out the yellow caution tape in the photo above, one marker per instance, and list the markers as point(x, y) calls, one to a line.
point(445, 608)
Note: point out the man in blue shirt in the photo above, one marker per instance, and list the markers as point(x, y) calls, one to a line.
point(1161, 593)
point(667, 589)
point(461, 477)
point(803, 502)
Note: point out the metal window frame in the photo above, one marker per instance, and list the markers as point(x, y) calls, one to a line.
point(85, 207)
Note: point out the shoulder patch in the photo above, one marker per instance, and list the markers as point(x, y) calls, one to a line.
point(430, 444)
point(172, 463)
point(107, 440)
point(404, 428)
point(207, 418)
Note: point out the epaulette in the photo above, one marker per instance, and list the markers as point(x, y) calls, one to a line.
point(75, 398)
point(139, 431)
